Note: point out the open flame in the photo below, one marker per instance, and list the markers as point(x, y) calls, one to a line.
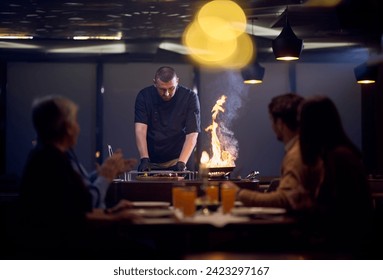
point(220, 157)
point(204, 158)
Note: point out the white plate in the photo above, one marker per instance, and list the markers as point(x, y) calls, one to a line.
point(244, 211)
point(153, 213)
point(238, 203)
point(150, 204)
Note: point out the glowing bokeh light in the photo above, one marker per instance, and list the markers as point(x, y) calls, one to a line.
point(219, 29)
point(225, 10)
point(217, 38)
point(243, 55)
point(206, 49)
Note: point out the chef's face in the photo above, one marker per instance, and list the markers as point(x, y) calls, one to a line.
point(166, 89)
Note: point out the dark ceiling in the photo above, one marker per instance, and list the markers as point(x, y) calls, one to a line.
point(143, 25)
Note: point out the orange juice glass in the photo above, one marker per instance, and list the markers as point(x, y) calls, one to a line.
point(188, 197)
point(177, 197)
point(228, 194)
point(212, 193)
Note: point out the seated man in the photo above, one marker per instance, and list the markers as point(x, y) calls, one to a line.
point(291, 192)
point(55, 203)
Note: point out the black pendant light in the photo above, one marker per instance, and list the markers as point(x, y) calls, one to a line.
point(287, 46)
point(253, 74)
point(366, 74)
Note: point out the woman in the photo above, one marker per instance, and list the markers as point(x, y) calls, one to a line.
point(343, 204)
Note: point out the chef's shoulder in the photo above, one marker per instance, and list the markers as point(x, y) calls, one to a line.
point(187, 93)
point(147, 91)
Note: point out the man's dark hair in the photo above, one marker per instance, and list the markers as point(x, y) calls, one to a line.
point(285, 107)
point(165, 74)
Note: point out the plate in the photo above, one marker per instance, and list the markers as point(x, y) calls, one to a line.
point(245, 211)
point(238, 203)
point(153, 213)
point(150, 204)
point(159, 178)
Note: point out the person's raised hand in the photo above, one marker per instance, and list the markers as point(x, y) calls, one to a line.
point(112, 166)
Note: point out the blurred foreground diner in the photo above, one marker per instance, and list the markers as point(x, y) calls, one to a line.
point(55, 203)
point(291, 192)
point(342, 213)
point(333, 201)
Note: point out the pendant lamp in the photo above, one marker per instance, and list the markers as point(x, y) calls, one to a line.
point(366, 74)
point(287, 46)
point(253, 74)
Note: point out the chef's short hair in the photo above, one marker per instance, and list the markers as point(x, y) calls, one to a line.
point(286, 107)
point(51, 115)
point(165, 74)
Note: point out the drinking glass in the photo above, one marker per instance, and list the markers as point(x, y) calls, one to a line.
point(228, 194)
point(177, 197)
point(212, 194)
point(188, 197)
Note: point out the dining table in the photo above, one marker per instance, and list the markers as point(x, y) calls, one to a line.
point(163, 232)
point(168, 234)
point(243, 229)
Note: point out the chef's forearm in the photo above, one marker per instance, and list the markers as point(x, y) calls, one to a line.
point(188, 147)
point(141, 131)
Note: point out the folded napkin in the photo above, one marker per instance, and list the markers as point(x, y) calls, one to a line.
point(217, 219)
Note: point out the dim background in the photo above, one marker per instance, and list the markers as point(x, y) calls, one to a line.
point(246, 114)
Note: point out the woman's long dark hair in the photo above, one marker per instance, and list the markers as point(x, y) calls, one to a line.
point(321, 129)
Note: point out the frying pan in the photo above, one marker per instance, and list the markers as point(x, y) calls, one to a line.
point(224, 169)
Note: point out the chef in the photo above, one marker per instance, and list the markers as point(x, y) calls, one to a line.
point(167, 123)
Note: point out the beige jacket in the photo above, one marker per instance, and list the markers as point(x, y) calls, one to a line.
point(295, 181)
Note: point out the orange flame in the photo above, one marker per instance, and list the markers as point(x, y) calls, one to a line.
point(220, 158)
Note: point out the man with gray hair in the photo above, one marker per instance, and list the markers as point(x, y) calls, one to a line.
point(55, 201)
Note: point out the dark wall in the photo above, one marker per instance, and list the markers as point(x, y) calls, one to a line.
point(3, 94)
point(245, 111)
point(372, 120)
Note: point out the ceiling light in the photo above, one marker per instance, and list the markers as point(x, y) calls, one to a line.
point(96, 48)
point(287, 46)
point(366, 74)
point(253, 74)
point(6, 36)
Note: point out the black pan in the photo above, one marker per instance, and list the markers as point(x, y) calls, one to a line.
point(224, 169)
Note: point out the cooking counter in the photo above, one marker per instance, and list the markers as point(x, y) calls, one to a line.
point(160, 190)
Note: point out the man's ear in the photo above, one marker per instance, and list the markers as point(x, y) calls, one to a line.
point(278, 123)
point(69, 129)
point(280, 126)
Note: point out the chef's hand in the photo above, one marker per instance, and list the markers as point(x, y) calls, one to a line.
point(180, 166)
point(144, 165)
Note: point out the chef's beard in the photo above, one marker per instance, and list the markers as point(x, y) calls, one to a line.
point(167, 97)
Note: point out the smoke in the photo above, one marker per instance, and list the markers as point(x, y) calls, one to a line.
point(229, 84)
point(233, 88)
point(228, 141)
